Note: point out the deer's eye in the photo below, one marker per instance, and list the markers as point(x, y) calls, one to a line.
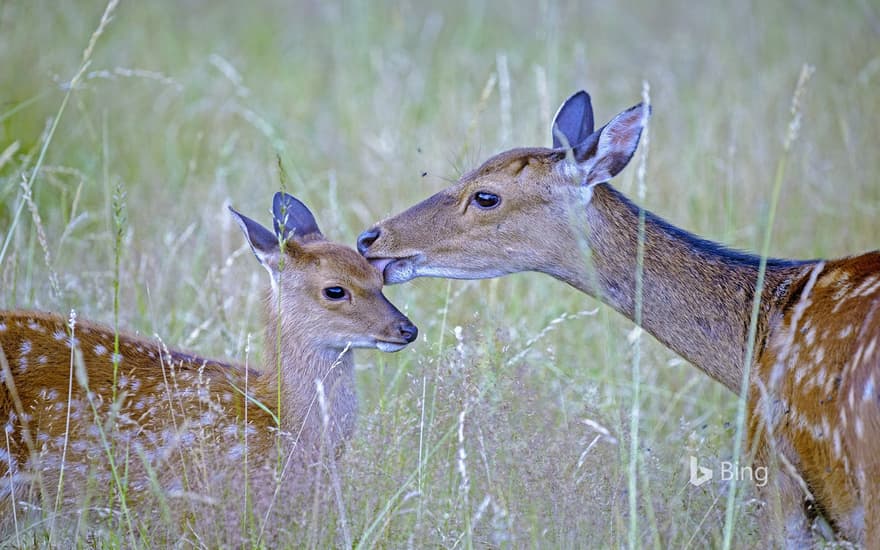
point(335, 293)
point(486, 200)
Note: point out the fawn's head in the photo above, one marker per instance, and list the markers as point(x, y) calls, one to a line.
point(512, 213)
point(324, 291)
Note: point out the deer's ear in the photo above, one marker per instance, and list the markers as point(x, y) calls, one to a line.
point(573, 122)
point(606, 152)
point(292, 218)
point(263, 242)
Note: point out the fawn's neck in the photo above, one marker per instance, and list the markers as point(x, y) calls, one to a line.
point(290, 361)
point(696, 295)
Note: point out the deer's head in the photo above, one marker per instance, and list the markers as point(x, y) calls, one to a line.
point(323, 291)
point(513, 213)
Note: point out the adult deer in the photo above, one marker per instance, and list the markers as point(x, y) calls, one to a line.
point(68, 388)
point(814, 392)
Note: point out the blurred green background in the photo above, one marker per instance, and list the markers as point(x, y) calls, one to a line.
point(372, 106)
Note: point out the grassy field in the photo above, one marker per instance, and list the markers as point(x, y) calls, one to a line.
point(507, 423)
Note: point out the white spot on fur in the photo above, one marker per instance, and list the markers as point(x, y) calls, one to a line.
point(2, 327)
point(873, 288)
point(869, 285)
point(60, 335)
point(868, 394)
point(776, 373)
point(811, 334)
point(42, 359)
point(820, 376)
point(100, 349)
point(829, 385)
point(25, 347)
point(116, 358)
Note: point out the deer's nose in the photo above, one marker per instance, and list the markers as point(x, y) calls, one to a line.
point(408, 331)
point(367, 238)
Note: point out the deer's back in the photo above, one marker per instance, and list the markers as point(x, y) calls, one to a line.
point(817, 384)
point(158, 406)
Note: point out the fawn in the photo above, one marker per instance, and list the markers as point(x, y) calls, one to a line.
point(814, 385)
point(66, 385)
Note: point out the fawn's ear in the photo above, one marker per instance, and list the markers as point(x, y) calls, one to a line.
point(264, 243)
point(606, 152)
point(292, 218)
point(573, 122)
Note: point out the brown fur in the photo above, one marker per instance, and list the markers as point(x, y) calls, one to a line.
point(815, 397)
point(562, 218)
point(64, 409)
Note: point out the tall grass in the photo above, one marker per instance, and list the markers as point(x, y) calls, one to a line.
point(790, 137)
point(510, 422)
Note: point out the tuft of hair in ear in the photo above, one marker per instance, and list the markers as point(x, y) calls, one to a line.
point(573, 122)
point(292, 218)
point(605, 153)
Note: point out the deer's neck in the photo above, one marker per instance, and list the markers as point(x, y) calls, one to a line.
point(292, 369)
point(696, 295)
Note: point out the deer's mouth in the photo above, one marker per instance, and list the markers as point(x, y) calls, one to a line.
point(389, 347)
point(397, 270)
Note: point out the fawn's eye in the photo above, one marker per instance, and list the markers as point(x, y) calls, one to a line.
point(335, 293)
point(486, 200)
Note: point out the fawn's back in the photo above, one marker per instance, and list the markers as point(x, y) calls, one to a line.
point(78, 396)
point(62, 397)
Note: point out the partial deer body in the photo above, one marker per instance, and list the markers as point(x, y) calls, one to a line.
point(814, 394)
point(64, 408)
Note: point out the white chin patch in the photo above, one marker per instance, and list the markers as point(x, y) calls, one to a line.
point(398, 271)
point(389, 347)
point(463, 274)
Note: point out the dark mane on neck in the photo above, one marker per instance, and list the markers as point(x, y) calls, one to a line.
point(729, 256)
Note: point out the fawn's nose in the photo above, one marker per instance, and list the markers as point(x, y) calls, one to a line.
point(408, 331)
point(367, 238)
